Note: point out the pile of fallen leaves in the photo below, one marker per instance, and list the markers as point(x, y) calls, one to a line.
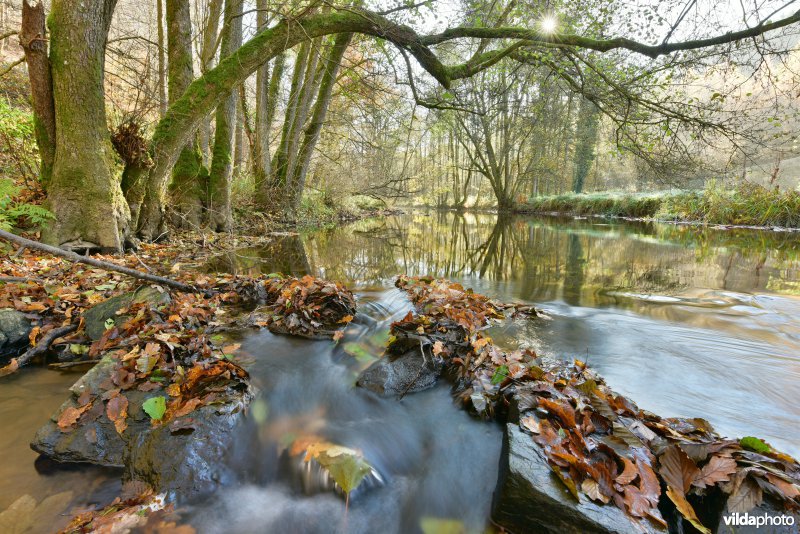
point(598, 443)
point(160, 348)
point(138, 509)
point(307, 307)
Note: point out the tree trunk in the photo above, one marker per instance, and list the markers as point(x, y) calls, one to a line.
point(162, 64)
point(84, 193)
point(311, 135)
point(588, 120)
point(33, 38)
point(219, 203)
point(207, 52)
point(188, 176)
point(264, 120)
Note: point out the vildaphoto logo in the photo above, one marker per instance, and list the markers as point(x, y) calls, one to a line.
point(746, 519)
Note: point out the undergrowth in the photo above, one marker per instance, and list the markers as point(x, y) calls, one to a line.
point(746, 204)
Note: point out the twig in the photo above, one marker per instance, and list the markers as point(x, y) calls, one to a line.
point(42, 346)
point(76, 363)
point(11, 66)
point(72, 256)
point(20, 279)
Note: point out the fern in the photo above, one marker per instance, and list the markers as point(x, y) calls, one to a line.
point(12, 211)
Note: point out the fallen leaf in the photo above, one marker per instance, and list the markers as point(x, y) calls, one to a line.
point(678, 470)
point(747, 496)
point(686, 510)
point(718, 469)
point(70, 416)
point(117, 412)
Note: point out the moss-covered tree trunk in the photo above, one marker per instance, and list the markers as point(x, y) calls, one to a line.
point(33, 38)
point(84, 193)
point(189, 177)
point(219, 202)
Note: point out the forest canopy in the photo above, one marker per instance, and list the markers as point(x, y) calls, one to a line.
point(180, 106)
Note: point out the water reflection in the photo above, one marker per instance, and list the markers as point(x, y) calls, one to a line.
point(686, 320)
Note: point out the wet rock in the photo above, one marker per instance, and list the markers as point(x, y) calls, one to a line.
point(185, 456)
point(95, 442)
point(398, 375)
point(95, 317)
point(530, 498)
point(14, 331)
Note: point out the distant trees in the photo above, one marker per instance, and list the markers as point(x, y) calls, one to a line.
point(496, 138)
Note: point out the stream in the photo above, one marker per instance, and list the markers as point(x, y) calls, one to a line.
point(686, 321)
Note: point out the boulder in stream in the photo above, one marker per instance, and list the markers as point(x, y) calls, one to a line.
point(530, 498)
point(397, 375)
point(14, 331)
point(184, 455)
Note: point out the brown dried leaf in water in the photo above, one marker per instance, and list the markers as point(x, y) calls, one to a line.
point(686, 510)
point(789, 490)
point(718, 469)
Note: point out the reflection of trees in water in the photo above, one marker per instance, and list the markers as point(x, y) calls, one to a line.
point(583, 262)
point(573, 277)
point(286, 254)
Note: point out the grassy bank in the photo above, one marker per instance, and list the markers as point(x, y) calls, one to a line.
point(748, 205)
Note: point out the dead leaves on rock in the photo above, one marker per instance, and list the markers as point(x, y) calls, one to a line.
point(599, 444)
point(308, 307)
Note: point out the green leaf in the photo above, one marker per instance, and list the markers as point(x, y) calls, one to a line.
point(146, 362)
point(436, 525)
point(347, 468)
point(155, 407)
point(75, 348)
point(500, 374)
point(109, 323)
point(754, 444)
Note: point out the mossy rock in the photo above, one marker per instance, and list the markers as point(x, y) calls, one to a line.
point(95, 317)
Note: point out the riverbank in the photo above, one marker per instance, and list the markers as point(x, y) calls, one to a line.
point(747, 205)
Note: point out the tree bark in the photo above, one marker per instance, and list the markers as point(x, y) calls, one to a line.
point(588, 120)
point(33, 38)
point(84, 194)
point(219, 203)
point(311, 135)
point(189, 178)
point(162, 64)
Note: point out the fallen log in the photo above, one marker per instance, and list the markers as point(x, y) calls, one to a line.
point(87, 260)
point(40, 348)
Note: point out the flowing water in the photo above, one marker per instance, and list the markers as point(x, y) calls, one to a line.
point(686, 321)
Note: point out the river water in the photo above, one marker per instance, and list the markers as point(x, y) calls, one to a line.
point(684, 320)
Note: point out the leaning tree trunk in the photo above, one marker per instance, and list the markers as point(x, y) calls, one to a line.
point(189, 177)
point(311, 134)
point(33, 38)
point(84, 193)
point(220, 175)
